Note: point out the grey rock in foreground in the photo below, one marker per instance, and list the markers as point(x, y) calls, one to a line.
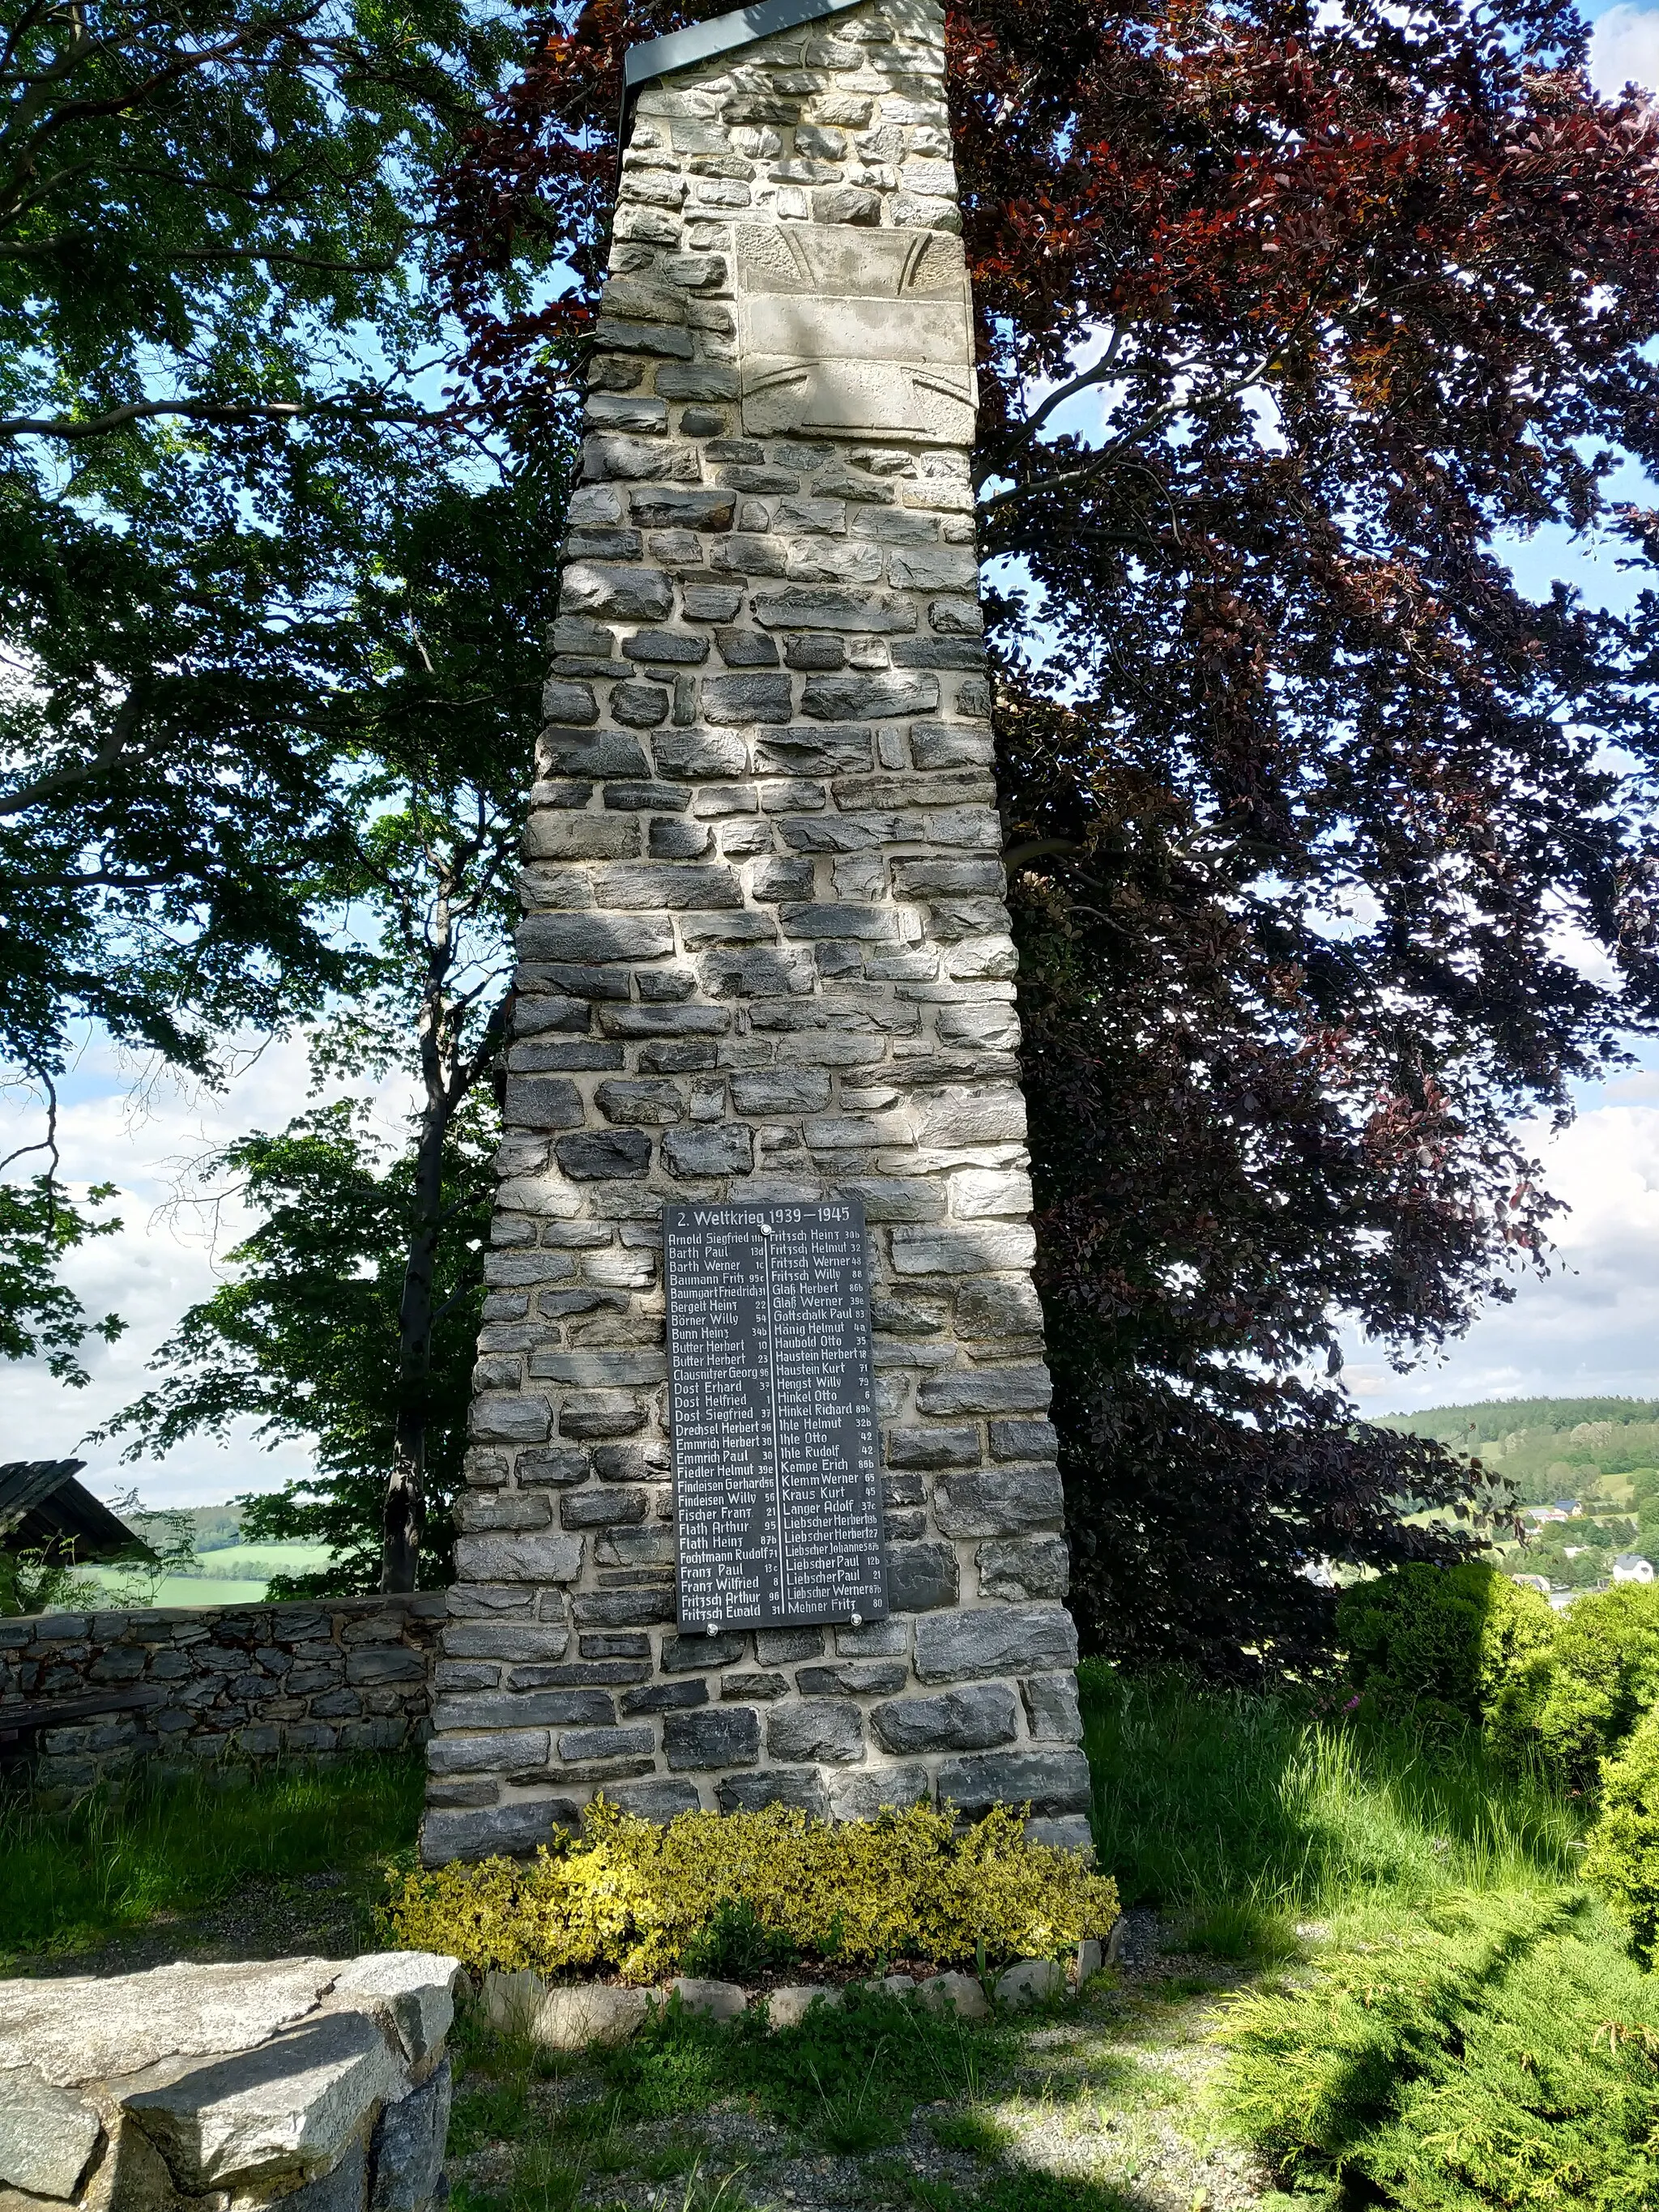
point(316, 2084)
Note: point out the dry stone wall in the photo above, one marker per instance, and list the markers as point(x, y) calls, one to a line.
point(766, 956)
point(239, 1683)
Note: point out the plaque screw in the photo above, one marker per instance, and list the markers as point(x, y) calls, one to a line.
point(858, 1621)
point(713, 1628)
point(766, 1229)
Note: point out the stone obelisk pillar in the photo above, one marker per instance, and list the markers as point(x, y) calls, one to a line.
point(765, 958)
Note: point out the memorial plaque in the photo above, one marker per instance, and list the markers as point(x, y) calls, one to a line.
point(777, 1485)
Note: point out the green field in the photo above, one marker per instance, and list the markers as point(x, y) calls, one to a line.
point(235, 1574)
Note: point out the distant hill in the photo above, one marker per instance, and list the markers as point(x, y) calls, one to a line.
point(1551, 1447)
point(218, 1527)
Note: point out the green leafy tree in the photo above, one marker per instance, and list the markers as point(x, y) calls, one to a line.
point(437, 765)
point(40, 1317)
point(305, 1340)
point(217, 340)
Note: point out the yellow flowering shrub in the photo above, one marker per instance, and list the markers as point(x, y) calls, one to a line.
point(629, 1895)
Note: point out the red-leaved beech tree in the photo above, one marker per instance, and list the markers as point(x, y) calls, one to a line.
point(1331, 852)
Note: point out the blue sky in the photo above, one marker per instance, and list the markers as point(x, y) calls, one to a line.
point(1591, 1325)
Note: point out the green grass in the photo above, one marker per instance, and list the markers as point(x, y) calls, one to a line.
point(848, 2078)
point(71, 1879)
point(235, 1574)
point(1240, 1812)
point(1465, 2033)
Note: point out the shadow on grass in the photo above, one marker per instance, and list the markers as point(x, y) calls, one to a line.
point(108, 1865)
point(1249, 1813)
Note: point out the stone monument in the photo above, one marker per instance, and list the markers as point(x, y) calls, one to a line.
point(766, 1004)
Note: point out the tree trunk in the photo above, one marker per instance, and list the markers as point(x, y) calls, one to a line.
point(404, 1522)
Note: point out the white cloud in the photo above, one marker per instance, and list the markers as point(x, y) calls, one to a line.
point(1625, 50)
point(1591, 1327)
point(163, 1260)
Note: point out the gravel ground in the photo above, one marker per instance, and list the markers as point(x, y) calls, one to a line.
point(1108, 2097)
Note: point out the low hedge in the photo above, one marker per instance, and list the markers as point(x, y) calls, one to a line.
point(634, 1897)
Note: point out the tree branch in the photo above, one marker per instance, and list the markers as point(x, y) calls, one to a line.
point(64, 779)
point(71, 430)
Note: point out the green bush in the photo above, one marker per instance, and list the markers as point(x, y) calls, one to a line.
point(1447, 1647)
point(635, 1896)
point(1623, 1859)
point(1500, 2054)
point(1603, 1677)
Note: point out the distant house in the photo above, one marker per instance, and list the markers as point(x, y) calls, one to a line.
point(1539, 1583)
point(44, 1509)
point(1567, 1507)
point(1631, 1567)
point(1541, 1516)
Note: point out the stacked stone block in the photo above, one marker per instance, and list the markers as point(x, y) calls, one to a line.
point(765, 956)
point(242, 1684)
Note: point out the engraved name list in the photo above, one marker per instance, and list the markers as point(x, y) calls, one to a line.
point(777, 1494)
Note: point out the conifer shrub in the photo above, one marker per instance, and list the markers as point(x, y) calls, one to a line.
point(633, 1896)
point(1446, 1647)
point(1603, 1677)
point(1622, 1862)
point(1498, 2053)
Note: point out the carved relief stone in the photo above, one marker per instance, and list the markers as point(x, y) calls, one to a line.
point(847, 330)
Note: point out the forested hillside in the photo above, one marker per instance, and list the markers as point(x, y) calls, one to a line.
point(1548, 1447)
point(1603, 1452)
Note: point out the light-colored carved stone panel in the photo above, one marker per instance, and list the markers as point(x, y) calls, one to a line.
point(847, 330)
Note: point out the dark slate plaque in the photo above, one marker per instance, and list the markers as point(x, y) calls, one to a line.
point(777, 1489)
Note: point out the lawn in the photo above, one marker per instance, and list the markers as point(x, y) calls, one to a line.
point(1379, 1981)
point(115, 1869)
point(236, 1574)
point(1363, 1970)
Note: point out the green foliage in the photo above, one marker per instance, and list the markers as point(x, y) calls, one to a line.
point(39, 1317)
point(1603, 1677)
point(267, 605)
point(1488, 1420)
point(632, 1895)
point(214, 1528)
point(1622, 1862)
point(166, 1548)
point(303, 1338)
point(213, 311)
point(34, 1580)
point(1206, 1798)
point(165, 1846)
point(849, 2076)
point(1499, 2053)
point(1443, 1648)
point(734, 1944)
point(1548, 1447)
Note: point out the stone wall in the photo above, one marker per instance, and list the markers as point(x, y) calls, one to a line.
point(306, 2085)
point(248, 1683)
point(766, 956)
